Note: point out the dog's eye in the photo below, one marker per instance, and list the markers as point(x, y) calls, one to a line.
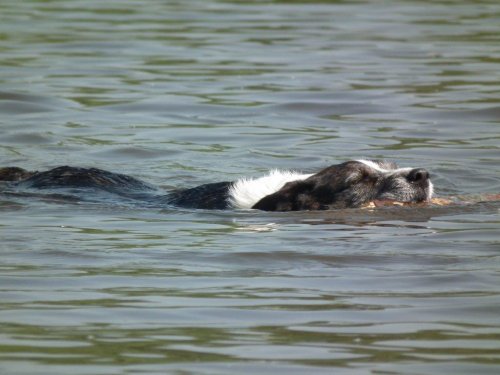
point(367, 176)
point(357, 177)
point(361, 176)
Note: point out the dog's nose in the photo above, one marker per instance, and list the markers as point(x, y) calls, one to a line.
point(418, 175)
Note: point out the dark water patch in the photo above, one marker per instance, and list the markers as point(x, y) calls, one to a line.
point(159, 106)
point(25, 104)
point(27, 138)
point(491, 114)
point(44, 100)
point(133, 153)
point(19, 108)
point(327, 109)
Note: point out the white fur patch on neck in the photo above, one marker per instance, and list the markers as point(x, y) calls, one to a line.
point(381, 169)
point(373, 165)
point(430, 193)
point(246, 192)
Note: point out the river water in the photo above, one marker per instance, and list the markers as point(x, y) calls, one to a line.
point(180, 93)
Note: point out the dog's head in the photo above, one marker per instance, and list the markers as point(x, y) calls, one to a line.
point(350, 185)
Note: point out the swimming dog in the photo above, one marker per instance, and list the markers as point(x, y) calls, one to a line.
point(351, 184)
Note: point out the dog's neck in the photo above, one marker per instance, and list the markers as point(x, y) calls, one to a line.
point(246, 192)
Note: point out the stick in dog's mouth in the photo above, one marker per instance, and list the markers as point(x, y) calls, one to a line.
point(389, 203)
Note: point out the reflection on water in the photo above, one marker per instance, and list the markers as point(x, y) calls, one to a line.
point(184, 93)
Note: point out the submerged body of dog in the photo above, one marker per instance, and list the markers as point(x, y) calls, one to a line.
point(348, 185)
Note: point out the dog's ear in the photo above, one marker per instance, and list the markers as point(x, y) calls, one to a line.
point(293, 196)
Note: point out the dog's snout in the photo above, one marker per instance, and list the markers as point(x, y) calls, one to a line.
point(418, 175)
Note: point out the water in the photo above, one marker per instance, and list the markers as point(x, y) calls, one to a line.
point(181, 93)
